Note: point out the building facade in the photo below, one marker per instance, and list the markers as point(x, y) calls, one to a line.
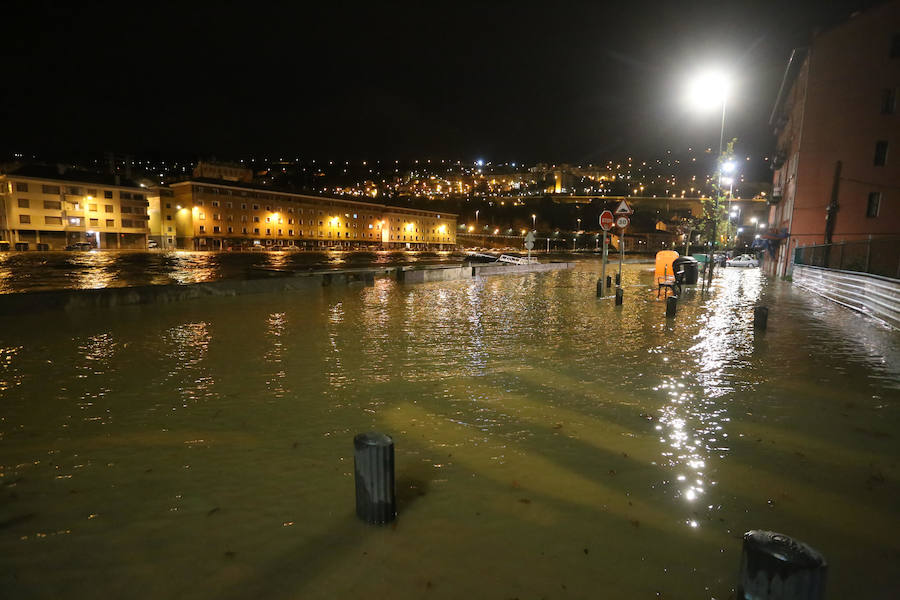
point(49, 208)
point(205, 214)
point(837, 163)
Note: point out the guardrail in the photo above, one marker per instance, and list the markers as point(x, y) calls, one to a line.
point(876, 256)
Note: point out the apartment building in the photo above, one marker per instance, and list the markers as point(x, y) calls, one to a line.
point(837, 168)
point(51, 207)
point(211, 214)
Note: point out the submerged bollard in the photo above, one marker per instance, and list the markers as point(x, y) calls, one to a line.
point(760, 317)
point(370, 279)
point(618, 279)
point(599, 287)
point(777, 567)
point(671, 306)
point(373, 460)
point(608, 281)
point(619, 294)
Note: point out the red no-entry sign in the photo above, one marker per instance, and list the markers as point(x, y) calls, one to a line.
point(606, 220)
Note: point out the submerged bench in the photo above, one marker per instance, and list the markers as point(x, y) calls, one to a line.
point(670, 283)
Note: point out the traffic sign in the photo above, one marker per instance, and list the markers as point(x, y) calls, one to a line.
point(622, 222)
point(606, 220)
point(624, 209)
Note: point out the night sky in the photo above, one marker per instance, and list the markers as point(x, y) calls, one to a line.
point(504, 81)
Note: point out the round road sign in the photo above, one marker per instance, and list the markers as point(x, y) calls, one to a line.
point(622, 222)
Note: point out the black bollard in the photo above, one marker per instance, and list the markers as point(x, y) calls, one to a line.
point(373, 460)
point(777, 567)
point(760, 317)
point(599, 287)
point(618, 279)
point(370, 279)
point(671, 306)
point(618, 296)
point(608, 281)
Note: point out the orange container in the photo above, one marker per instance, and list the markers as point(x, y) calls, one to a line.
point(664, 260)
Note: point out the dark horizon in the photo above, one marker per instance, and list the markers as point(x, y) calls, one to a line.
point(505, 82)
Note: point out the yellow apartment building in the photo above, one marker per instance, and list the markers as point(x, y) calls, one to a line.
point(205, 214)
point(49, 208)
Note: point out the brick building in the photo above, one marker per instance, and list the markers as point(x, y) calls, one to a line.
point(837, 160)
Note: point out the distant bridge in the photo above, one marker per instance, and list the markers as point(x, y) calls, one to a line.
point(661, 203)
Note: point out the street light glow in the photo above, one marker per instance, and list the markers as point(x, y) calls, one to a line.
point(708, 90)
point(729, 166)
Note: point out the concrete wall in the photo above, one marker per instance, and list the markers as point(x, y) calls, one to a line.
point(497, 269)
point(878, 297)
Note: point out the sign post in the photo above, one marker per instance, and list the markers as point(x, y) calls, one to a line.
point(622, 212)
point(606, 222)
point(621, 223)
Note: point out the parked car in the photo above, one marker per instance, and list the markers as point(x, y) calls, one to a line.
point(744, 260)
point(152, 244)
point(80, 246)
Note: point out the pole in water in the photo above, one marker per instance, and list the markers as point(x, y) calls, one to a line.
point(619, 293)
point(618, 279)
point(603, 274)
point(373, 461)
point(599, 287)
point(370, 279)
point(777, 567)
point(608, 281)
point(760, 317)
point(671, 306)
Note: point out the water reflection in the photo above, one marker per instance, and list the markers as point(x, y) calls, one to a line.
point(29, 271)
point(275, 378)
point(693, 419)
point(10, 376)
point(187, 349)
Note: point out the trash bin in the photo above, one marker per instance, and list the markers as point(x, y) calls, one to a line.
point(691, 268)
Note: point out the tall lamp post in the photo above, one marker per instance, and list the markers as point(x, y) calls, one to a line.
point(709, 90)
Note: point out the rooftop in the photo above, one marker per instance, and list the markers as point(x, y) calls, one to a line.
point(63, 173)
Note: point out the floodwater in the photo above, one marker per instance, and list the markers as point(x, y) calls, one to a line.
point(548, 443)
point(35, 271)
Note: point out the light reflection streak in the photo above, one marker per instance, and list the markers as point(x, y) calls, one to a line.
point(95, 355)
point(189, 346)
point(692, 421)
point(93, 270)
point(275, 328)
point(10, 376)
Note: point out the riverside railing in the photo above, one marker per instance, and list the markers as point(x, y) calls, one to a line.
point(877, 256)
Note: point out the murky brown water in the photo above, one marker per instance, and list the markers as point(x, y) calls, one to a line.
point(549, 445)
point(33, 271)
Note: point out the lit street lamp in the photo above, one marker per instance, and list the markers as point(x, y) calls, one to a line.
point(534, 221)
point(709, 90)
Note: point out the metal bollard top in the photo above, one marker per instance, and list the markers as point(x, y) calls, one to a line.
point(784, 548)
point(372, 438)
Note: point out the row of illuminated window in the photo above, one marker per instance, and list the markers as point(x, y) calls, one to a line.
point(80, 221)
point(300, 210)
point(74, 190)
point(108, 208)
point(310, 233)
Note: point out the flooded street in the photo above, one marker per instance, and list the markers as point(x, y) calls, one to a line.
point(35, 271)
point(548, 443)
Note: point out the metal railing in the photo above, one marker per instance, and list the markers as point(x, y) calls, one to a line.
point(877, 256)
